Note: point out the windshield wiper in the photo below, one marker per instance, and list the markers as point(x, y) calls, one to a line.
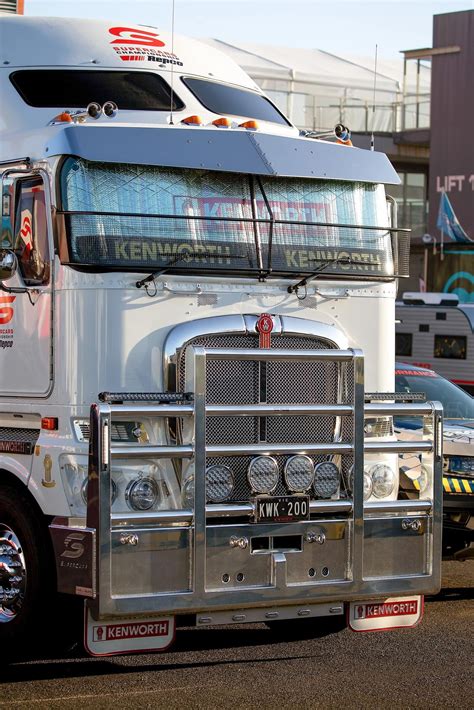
point(314, 274)
point(180, 257)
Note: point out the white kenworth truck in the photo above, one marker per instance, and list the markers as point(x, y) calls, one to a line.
point(197, 353)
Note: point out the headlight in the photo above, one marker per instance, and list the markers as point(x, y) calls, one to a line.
point(367, 486)
point(263, 474)
point(326, 479)
point(423, 479)
point(113, 496)
point(142, 494)
point(187, 493)
point(219, 483)
point(367, 483)
point(299, 473)
point(383, 480)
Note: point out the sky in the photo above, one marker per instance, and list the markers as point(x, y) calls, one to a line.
point(349, 27)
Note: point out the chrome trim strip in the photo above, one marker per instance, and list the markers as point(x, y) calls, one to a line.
point(230, 511)
point(243, 510)
point(155, 410)
point(398, 447)
point(399, 506)
point(146, 519)
point(273, 354)
point(273, 449)
point(159, 452)
point(413, 408)
point(236, 410)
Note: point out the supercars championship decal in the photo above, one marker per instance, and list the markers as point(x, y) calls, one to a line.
point(137, 45)
point(6, 316)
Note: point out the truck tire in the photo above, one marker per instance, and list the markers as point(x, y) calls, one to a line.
point(27, 579)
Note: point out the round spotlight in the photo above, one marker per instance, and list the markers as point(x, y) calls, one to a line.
point(263, 474)
point(113, 491)
point(142, 494)
point(299, 473)
point(219, 483)
point(94, 109)
point(110, 109)
point(326, 479)
point(383, 480)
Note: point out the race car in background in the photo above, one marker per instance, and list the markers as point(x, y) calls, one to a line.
point(458, 449)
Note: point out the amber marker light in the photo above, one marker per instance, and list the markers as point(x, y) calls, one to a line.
point(63, 117)
point(222, 122)
point(250, 125)
point(193, 121)
point(49, 423)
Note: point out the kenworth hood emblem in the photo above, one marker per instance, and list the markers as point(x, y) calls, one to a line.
point(264, 327)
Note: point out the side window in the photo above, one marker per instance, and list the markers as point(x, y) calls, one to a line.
point(403, 344)
point(31, 232)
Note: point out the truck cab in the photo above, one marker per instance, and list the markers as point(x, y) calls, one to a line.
point(197, 344)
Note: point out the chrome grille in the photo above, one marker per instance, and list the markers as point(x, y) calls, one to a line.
point(235, 382)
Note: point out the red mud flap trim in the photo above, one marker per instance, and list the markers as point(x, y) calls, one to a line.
point(392, 613)
point(111, 638)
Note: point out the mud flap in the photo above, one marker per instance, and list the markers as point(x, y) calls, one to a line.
point(392, 613)
point(142, 634)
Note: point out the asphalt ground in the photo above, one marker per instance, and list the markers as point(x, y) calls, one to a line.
point(431, 666)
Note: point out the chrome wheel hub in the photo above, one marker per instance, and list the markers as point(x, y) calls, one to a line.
point(12, 574)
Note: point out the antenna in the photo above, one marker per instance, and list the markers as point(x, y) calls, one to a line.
point(172, 64)
point(372, 142)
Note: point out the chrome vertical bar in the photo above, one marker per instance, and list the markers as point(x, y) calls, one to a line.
point(199, 572)
point(358, 492)
point(98, 502)
point(437, 491)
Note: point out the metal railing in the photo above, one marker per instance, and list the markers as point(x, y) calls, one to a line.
point(103, 453)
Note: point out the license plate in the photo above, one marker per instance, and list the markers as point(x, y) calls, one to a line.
point(281, 509)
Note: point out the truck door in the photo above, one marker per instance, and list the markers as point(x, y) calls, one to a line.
point(25, 302)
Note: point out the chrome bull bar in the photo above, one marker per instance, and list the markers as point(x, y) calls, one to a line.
point(367, 526)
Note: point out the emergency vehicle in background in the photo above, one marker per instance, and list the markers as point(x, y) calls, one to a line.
point(197, 352)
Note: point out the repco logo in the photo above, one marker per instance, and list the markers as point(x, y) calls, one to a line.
point(73, 547)
point(6, 312)
point(128, 35)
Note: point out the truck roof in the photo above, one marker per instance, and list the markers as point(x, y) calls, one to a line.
point(144, 136)
point(72, 42)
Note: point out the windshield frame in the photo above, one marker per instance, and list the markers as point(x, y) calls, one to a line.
point(260, 269)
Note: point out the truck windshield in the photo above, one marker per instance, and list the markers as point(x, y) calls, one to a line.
point(137, 218)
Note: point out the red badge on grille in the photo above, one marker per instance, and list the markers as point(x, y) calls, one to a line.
point(264, 329)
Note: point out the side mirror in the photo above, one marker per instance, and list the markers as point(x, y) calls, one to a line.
point(8, 264)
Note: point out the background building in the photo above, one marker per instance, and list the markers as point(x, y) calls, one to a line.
point(421, 117)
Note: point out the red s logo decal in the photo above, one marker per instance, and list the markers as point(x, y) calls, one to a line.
point(6, 312)
point(129, 35)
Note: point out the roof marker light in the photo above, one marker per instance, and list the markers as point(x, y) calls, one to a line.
point(222, 123)
point(193, 121)
point(250, 125)
point(63, 117)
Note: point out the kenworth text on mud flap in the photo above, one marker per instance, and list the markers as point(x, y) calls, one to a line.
point(197, 343)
